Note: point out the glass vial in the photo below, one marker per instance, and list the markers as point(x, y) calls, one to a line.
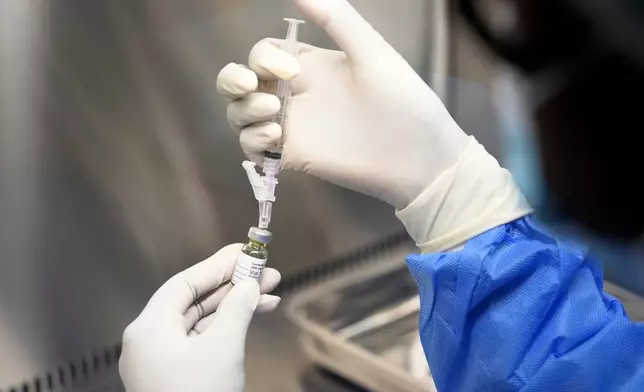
point(253, 256)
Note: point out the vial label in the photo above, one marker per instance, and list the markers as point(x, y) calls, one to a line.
point(248, 267)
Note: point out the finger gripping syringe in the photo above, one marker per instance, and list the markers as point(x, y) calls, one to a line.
point(264, 186)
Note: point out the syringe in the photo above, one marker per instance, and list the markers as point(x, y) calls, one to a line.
point(264, 186)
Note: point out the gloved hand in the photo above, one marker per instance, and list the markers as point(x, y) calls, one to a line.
point(363, 119)
point(191, 335)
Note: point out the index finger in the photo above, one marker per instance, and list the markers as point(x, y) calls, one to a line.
point(178, 293)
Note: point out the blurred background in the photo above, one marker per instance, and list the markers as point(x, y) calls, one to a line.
point(118, 169)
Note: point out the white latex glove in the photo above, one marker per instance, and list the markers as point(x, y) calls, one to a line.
point(191, 335)
point(363, 119)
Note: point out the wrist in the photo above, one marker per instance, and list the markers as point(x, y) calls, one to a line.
point(474, 195)
point(445, 145)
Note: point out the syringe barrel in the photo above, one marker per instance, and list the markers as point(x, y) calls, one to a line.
point(285, 87)
point(284, 91)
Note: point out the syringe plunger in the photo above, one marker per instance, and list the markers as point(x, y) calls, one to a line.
point(290, 44)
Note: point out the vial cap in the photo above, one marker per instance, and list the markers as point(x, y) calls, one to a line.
point(260, 235)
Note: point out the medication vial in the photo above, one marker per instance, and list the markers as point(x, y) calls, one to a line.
point(253, 256)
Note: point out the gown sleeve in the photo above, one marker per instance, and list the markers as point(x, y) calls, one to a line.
point(518, 309)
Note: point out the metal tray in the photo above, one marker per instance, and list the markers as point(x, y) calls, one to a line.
point(364, 325)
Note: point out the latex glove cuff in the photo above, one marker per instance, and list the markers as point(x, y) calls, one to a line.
point(471, 197)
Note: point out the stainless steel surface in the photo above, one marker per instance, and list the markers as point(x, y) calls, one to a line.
point(274, 363)
point(380, 318)
point(438, 26)
point(364, 325)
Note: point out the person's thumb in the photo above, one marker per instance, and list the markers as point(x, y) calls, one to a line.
point(235, 313)
point(346, 26)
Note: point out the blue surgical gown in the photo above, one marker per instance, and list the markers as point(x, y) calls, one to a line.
point(521, 310)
